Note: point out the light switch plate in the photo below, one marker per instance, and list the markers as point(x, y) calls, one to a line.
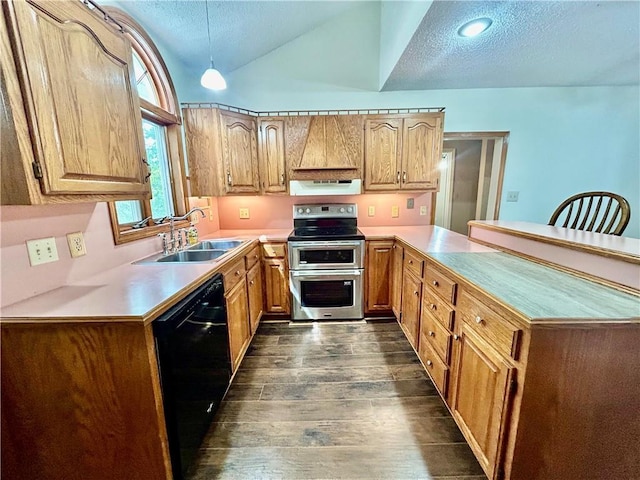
point(42, 250)
point(512, 196)
point(77, 247)
point(372, 211)
point(244, 213)
point(409, 203)
point(395, 211)
point(423, 210)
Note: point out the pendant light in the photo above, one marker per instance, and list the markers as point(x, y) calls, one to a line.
point(211, 78)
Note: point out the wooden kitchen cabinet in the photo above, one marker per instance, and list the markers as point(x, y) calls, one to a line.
point(396, 281)
point(273, 178)
point(410, 316)
point(256, 303)
point(276, 279)
point(238, 321)
point(239, 152)
point(379, 265)
point(482, 396)
point(78, 134)
point(402, 152)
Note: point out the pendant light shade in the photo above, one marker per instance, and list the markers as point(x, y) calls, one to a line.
point(211, 78)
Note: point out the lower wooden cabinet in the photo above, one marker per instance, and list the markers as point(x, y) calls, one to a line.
point(238, 321)
point(410, 318)
point(379, 264)
point(254, 286)
point(396, 281)
point(276, 279)
point(481, 396)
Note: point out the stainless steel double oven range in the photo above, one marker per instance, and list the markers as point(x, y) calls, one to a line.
point(326, 261)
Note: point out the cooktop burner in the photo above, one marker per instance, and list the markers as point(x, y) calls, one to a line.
point(325, 222)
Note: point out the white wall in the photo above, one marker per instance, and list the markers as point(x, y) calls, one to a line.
point(563, 140)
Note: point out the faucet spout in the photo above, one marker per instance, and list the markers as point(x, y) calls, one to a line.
point(193, 210)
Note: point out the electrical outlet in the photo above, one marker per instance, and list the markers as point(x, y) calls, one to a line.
point(423, 210)
point(512, 196)
point(42, 250)
point(76, 244)
point(409, 203)
point(395, 211)
point(372, 211)
point(244, 213)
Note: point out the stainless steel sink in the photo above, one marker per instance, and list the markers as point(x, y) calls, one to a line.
point(216, 245)
point(192, 256)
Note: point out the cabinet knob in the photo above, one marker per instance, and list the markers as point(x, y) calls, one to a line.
point(237, 273)
point(435, 283)
point(456, 337)
point(251, 282)
point(433, 306)
point(410, 262)
point(429, 363)
point(416, 293)
point(479, 320)
point(432, 333)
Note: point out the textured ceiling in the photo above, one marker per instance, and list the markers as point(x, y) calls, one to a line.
point(241, 31)
point(531, 43)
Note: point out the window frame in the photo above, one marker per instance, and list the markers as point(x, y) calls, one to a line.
point(166, 115)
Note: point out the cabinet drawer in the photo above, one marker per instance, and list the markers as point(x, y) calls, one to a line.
point(490, 325)
point(413, 263)
point(441, 284)
point(438, 336)
point(273, 250)
point(252, 257)
point(435, 367)
point(233, 274)
point(438, 308)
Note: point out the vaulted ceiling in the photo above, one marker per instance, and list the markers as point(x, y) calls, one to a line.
point(530, 43)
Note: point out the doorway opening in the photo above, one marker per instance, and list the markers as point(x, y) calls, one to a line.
point(471, 173)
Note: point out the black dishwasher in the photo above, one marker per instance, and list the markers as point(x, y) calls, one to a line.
point(192, 346)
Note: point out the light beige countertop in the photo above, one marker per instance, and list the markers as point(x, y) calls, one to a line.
point(427, 238)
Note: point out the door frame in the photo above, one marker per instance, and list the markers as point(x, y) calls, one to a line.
point(446, 186)
point(496, 194)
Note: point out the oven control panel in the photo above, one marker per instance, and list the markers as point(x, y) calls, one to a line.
point(326, 210)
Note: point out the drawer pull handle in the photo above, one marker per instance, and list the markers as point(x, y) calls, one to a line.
point(416, 293)
point(251, 282)
point(479, 320)
point(410, 262)
point(432, 333)
point(237, 273)
point(433, 306)
point(429, 363)
point(456, 337)
point(435, 283)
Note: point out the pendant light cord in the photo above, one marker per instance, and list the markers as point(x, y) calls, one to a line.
point(206, 5)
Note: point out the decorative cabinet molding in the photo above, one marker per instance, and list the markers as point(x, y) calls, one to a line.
point(239, 153)
point(402, 152)
point(81, 112)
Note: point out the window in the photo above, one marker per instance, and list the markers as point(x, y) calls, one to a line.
point(135, 219)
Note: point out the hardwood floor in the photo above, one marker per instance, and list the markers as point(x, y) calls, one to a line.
point(333, 401)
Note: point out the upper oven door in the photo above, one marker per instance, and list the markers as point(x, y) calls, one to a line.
point(326, 255)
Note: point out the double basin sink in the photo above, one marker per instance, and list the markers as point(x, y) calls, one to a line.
point(204, 251)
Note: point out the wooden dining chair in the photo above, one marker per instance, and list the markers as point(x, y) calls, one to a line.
point(584, 210)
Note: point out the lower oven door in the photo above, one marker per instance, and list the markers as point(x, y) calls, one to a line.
point(326, 294)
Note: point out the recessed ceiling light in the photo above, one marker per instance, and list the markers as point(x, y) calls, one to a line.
point(474, 27)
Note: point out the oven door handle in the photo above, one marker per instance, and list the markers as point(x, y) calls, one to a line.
point(325, 273)
point(325, 245)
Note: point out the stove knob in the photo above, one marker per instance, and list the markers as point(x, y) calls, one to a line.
point(341, 209)
point(300, 210)
point(308, 210)
point(349, 209)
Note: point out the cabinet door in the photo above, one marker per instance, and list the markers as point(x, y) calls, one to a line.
point(421, 150)
point(396, 282)
point(239, 153)
point(410, 318)
point(272, 163)
point(276, 284)
point(82, 103)
point(481, 396)
point(238, 320)
point(201, 132)
point(254, 284)
point(382, 154)
point(378, 271)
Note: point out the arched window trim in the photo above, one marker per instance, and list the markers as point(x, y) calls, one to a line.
point(167, 114)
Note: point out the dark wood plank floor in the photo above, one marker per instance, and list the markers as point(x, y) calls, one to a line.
point(333, 401)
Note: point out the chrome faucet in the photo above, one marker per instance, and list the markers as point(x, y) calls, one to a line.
point(173, 244)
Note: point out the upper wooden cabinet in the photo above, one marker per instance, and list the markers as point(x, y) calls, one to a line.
point(402, 152)
point(273, 177)
point(79, 130)
point(324, 146)
point(222, 152)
